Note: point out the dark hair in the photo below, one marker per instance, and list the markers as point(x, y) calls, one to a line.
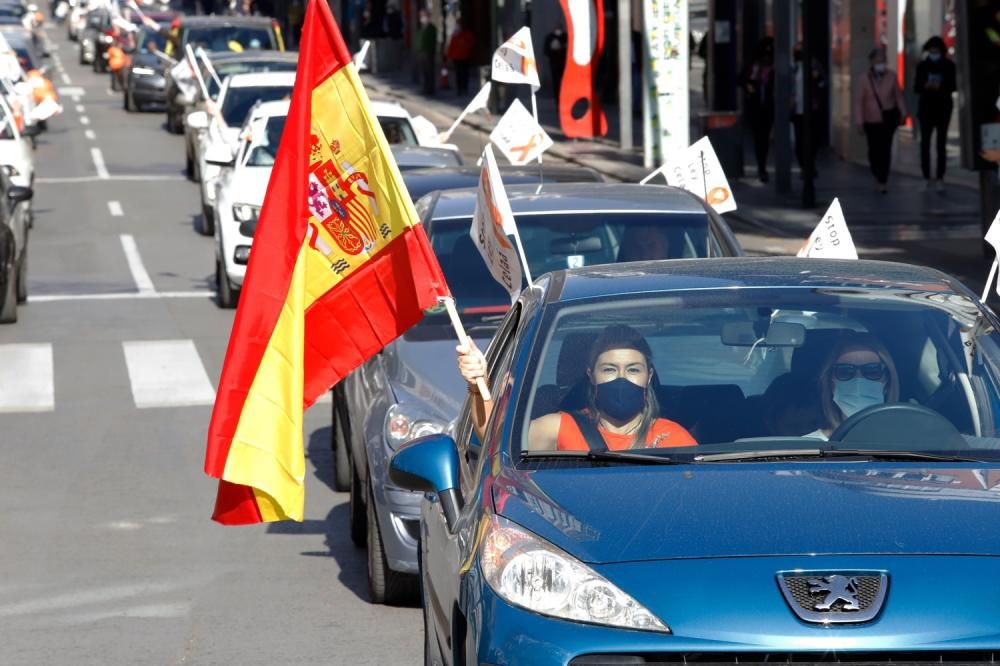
point(876, 52)
point(935, 42)
point(620, 336)
point(853, 341)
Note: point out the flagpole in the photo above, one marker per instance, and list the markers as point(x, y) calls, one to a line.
point(524, 260)
point(989, 279)
point(704, 176)
point(463, 337)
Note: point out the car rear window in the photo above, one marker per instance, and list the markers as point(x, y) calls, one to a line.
point(231, 38)
point(239, 101)
point(247, 67)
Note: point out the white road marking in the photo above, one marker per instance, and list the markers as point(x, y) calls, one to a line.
point(91, 179)
point(80, 108)
point(75, 91)
point(65, 78)
point(76, 98)
point(142, 280)
point(167, 373)
point(115, 208)
point(90, 134)
point(84, 120)
point(120, 296)
point(98, 157)
point(26, 382)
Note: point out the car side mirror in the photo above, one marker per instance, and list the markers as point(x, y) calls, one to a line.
point(197, 120)
point(430, 465)
point(31, 130)
point(18, 194)
point(218, 154)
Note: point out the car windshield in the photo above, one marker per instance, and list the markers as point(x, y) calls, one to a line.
point(398, 130)
point(16, 11)
point(150, 41)
point(230, 68)
point(231, 38)
point(791, 371)
point(559, 241)
point(239, 101)
point(264, 148)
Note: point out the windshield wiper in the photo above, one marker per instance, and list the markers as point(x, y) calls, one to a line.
point(872, 454)
point(601, 456)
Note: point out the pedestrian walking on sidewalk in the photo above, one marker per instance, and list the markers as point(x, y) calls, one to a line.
point(426, 49)
point(935, 83)
point(879, 109)
point(758, 83)
point(460, 49)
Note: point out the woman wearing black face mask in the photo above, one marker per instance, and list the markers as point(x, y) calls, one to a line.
point(622, 410)
point(935, 83)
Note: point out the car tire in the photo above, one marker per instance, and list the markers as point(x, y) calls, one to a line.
point(385, 586)
point(8, 308)
point(358, 517)
point(173, 122)
point(127, 101)
point(22, 279)
point(207, 226)
point(189, 167)
point(341, 454)
point(226, 295)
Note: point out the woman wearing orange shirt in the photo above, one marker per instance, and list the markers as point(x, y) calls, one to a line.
point(622, 408)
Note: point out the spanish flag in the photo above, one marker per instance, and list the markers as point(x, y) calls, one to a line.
point(340, 267)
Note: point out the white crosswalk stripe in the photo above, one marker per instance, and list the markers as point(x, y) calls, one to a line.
point(167, 373)
point(26, 383)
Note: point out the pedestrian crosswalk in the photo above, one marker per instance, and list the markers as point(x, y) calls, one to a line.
point(161, 374)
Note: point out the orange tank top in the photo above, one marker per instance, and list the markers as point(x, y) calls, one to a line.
point(662, 434)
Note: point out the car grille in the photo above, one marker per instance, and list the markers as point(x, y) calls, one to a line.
point(799, 587)
point(793, 659)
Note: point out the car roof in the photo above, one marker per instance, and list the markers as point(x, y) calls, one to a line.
point(389, 109)
point(257, 79)
point(209, 21)
point(250, 56)
point(271, 109)
point(637, 278)
point(579, 197)
point(410, 157)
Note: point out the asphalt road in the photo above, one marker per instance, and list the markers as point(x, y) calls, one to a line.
point(108, 553)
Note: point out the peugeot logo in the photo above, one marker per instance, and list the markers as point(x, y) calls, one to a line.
point(827, 597)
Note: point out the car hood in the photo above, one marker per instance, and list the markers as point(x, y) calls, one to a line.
point(628, 513)
point(248, 185)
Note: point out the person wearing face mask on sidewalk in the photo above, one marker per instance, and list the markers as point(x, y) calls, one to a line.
point(935, 82)
point(858, 373)
point(621, 410)
point(879, 109)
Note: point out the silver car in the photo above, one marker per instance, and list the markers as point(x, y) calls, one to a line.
point(413, 387)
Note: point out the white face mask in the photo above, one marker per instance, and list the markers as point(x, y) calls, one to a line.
point(856, 394)
point(879, 67)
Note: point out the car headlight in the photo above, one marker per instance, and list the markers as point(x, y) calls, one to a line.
point(405, 422)
point(246, 212)
point(143, 71)
point(529, 572)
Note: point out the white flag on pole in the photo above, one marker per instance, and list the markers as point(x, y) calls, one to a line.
point(359, 57)
point(183, 76)
point(698, 171)
point(492, 224)
point(519, 137)
point(831, 239)
point(478, 102)
point(514, 61)
point(993, 238)
point(48, 108)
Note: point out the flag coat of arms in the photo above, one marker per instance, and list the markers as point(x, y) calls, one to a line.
point(340, 267)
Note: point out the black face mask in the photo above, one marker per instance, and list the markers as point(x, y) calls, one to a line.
point(620, 399)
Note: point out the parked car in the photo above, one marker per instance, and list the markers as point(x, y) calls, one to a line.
point(225, 65)
point(215, 34)
point(420, 182)
point(13, 246)
point(239, 94)
point(409, 389)
point(240, 190)
point(763, 543)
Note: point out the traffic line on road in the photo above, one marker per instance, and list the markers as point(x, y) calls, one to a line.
point(80, 108)
point(65, 78)
point(98, 157)
point(120, 296)
point(75, 91)
point(142, 280)
point(26, 382)
point(84, 120)
point(115, 208)
point(167, 373)
point(90, 134)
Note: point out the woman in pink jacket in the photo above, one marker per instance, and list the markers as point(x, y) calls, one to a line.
point(878, 110)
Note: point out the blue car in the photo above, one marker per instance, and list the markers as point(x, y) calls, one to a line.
point(819, 478)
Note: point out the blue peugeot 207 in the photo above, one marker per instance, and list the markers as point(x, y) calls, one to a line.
point(752, 460)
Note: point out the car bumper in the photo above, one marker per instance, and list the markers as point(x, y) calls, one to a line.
point(148, 88)
point(399, 522)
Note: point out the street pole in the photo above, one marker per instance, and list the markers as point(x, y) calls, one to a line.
point(807, 149)
point(624, 73)
point(782, 93)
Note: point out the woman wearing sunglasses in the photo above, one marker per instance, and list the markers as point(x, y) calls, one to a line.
point(858, 373)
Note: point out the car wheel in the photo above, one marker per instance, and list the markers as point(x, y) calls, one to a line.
point(8, 309)
point(358, 517)
point(189, 167)
point(226, 295)
point(385, 586)
point(173, 122)
point(127, 101)
point(207, 227)
point(22, 279)
point(341, 457)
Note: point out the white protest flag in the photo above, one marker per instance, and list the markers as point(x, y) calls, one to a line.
point(183, 76)
point(519, 136)
point(359, 57)
point(492, 223)
point(48, 108)
point(514, 61)
point(697, 170)
point(993, 238)
point(831, 239)
point(478, 102)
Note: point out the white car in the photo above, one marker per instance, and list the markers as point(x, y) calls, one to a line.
point(77, 18)
point(402, 128)
point(15, 147)
point(239, 194)
point(219, 130)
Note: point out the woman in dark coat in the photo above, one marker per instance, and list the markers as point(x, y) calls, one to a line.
point(935, 83)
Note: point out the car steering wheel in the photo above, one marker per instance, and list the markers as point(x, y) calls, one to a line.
point(900, 426)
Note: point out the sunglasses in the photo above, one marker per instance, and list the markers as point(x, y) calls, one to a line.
point(876, 372)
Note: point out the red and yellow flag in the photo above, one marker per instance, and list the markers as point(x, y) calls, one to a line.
point(340, 267)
